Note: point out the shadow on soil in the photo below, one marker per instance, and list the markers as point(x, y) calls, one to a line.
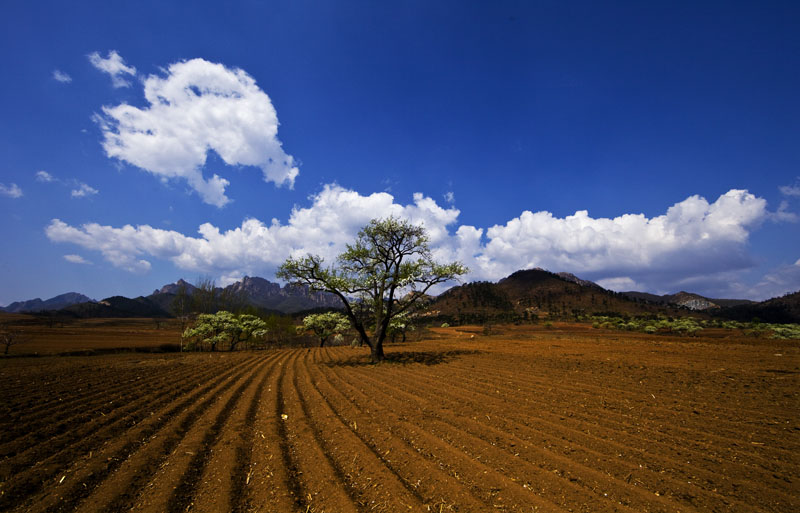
point(403, 358)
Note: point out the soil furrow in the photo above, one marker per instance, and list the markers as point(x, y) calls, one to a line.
point(217, 489)
point(31, 481)
point(579, 446)
point(730, 420)
point(55, 437)
point(271, 486)
point(160, 466)
point(98, 482)
point(325, 486)
point(373, 482)
point(183, 495)
point(620, 440)
point(403, 457)
point(700, 439)
point(512, 486)
point(243, 466)
point(663, 423)
point(601, 386)
point(294, 484)
point(579, 469)
point(99, 395)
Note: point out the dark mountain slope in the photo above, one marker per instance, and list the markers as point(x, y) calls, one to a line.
point(784, 309)
point(54, 303)
point(531, 294)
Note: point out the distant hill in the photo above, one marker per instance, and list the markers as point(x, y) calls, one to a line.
point(522, 295)
point(254, 292)
point(116, 306)
point(174, 288)
point(534, 293)
point(686, 300)
point(784, 309)
point(54, 303)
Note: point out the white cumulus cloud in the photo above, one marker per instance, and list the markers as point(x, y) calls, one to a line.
point(62, 77)
point(83, 190)
point(115, 66)
point(196, 107)
point(255, 247)
point(692, 237)
point(693, 240)
point(76, 259)
point(11, 190)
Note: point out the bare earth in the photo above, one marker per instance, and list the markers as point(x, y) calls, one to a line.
point(568, 419)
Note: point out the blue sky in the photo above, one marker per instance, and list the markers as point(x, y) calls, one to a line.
point(644, 145)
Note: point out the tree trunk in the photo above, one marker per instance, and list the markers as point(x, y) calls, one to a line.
point(376, 352)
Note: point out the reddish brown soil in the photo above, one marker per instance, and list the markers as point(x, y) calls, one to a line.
point(567, 419)
point(73, 335)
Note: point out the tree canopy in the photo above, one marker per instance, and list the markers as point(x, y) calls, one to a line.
point(224, 328)
point(387, 269)
point(323, 325)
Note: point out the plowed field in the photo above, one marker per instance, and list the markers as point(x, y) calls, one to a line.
point(526, 421)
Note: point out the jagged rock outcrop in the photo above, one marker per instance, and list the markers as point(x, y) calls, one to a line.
point(288, 299)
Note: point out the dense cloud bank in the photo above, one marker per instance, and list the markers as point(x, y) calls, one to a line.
point(695, 241)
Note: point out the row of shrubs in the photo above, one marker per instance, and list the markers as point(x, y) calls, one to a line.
point(691, 326)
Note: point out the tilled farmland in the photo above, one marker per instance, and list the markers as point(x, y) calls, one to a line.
point(525, 421)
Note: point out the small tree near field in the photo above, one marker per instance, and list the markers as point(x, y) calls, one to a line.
point(324, 325)
point(400, 325)
point(9, 337)
point(224, 328)
point(389, 267)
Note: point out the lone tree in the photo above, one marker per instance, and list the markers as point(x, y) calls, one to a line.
point(10, 337)
point(389, 267)
point(324, 325)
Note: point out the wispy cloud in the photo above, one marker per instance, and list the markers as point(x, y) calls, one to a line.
point(78, 189)
point(115, 66)
point(11, 190)
point(44, 177)
point(449, 197)
point(196, 107)
point(77, 259)
point(783, 214)
point(62, 77)
point(83, 191)
point(791, 190)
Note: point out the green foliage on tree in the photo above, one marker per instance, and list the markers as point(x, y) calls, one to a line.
point(224, 329)
point(388, 268)
point(323, 325)
point(400, 324)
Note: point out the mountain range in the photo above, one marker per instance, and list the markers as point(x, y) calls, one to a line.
point(54, 303)
point(537, 293)
point(522, 295)
point(255, 292)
